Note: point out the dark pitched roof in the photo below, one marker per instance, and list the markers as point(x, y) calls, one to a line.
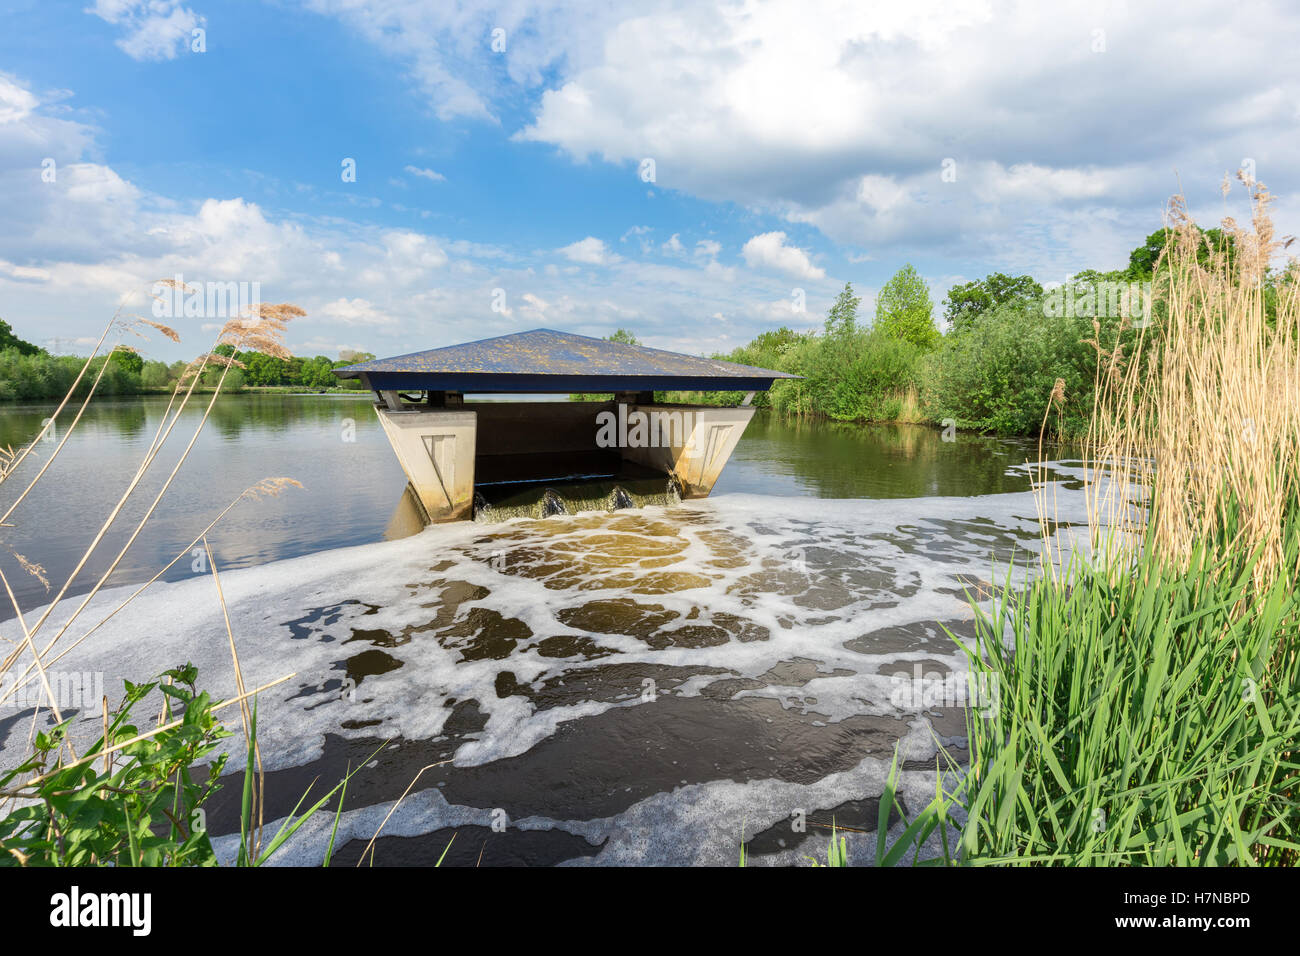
point(544, 360)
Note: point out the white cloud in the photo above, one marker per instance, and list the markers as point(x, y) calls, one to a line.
point(16, 103)
point(452, 55)
point(842, 114)
point(429, 174)
point(769, 251)
point(356, 311)
point(70, 250)
point(154, 29)
point(590, 251)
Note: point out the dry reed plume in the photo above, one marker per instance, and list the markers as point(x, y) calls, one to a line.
point(1202, 409)
point(260, 328)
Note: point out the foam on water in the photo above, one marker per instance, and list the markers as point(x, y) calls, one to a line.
point(752, 641)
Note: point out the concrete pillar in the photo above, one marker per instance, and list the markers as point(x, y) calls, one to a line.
point(697, 452)
point(436, 450)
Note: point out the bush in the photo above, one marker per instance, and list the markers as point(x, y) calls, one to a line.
point(155, 375)
point(145, 809)
point(998, 374)
point(32, 377)
point(852, 376)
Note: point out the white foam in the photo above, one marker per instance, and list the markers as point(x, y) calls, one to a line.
point(869, 566)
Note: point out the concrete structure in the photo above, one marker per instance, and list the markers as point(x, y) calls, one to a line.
point(448, 449)
point(710, 436)
point(436, 450)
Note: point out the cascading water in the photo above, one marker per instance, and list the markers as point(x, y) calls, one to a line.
point(493, 504)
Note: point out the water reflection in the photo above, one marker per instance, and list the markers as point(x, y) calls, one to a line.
point(354, 490)
point(841, 460)
point(333, 445)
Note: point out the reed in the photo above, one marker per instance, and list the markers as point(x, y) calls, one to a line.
point(1203, 410)
point(124, 750)
point(1149, 700)
point(1145, 697)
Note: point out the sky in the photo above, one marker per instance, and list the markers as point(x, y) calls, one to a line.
point(416, 174)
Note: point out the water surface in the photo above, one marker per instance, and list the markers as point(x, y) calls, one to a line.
point(644, 686)
point(353, 488)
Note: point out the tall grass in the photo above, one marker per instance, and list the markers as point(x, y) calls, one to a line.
point(1146, 705)
point(1148, 717)
point(1214, 433)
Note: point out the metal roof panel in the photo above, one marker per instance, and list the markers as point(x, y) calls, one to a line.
point(543, 353)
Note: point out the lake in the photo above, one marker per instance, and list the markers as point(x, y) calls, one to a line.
point(639, 686)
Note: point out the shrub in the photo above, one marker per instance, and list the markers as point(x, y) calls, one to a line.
point(997, 375)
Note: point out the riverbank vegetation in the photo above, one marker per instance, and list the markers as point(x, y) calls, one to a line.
point(1006, 342)
point(29, 373)
point(133, 795)
point(1147, 707)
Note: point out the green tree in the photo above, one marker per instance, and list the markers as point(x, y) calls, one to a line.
point(904, 309)
point(128, 361)
point(318, 372)
point(10, 341)
point(155, 375)
point(262, 369)
point(1142, 260)
point(624, 336)
point(843, 316)
point(968, 301)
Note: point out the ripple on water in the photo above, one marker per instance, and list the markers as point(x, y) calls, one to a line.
point(694, 671)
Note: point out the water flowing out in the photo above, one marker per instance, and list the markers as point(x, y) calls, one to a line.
point(605, 684)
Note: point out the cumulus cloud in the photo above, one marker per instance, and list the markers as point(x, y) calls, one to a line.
point(941, 125)
point(16, 103)
point(769, 251)
point(72, 247)
point(967, 127)
point(356, 311)
point(590, 251)
point(153, 29)
point(465, 58)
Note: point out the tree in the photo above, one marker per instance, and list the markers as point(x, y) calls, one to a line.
point(624, 336)
point(128, 361)
point(968, 301)
point(262, 369)
point(1142, 260)
point(843, 316)
point(155, 375)
point(10, 341)
point(318, 372)
point(904, 309)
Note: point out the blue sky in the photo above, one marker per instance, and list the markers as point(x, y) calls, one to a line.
point(499, 153)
